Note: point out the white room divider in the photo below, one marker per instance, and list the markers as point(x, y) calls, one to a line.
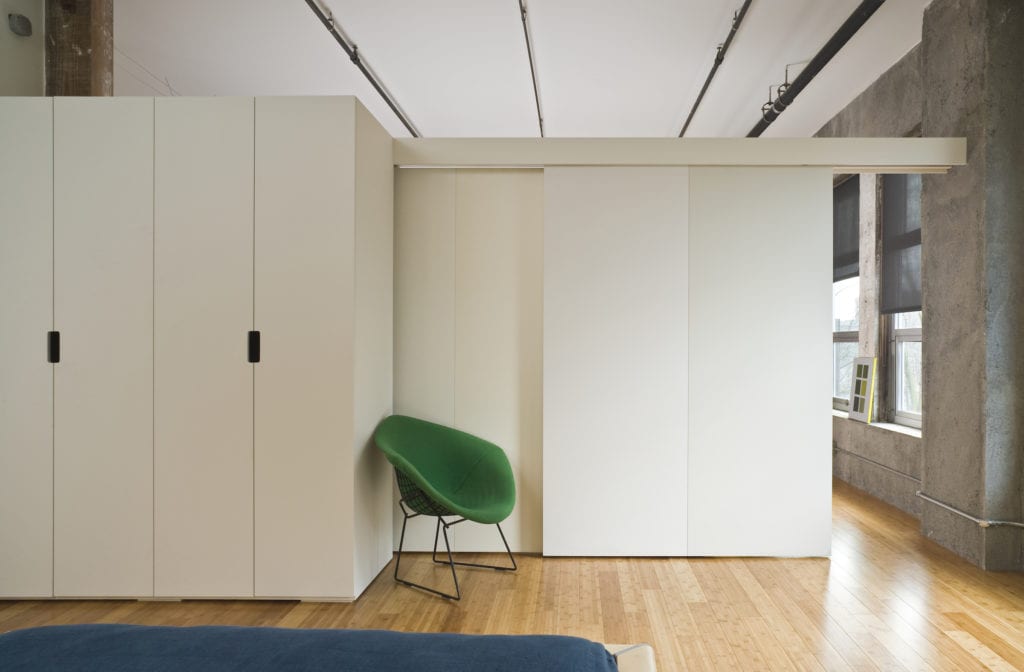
point(760, 470)
point(468, 250)
point(615, 334)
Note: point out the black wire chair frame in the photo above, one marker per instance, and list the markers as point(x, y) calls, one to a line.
point(415, 503)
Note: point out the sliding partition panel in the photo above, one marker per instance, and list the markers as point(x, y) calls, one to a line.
point(499, 252)
point(103, 385)
point(760, 427)
point(26, 378)
point(304, 288)
point(468, 312)
point(203, 380)
point(424, 312)
point(615, 361)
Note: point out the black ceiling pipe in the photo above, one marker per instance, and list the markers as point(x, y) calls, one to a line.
point(353, 53)
point(737, 19)
point(849, 28)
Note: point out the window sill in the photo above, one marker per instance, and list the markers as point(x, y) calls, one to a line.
point(886, 426)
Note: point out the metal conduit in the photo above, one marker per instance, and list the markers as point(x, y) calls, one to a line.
point(352, 51)
point(737, 19)
point(846, 31)
point(963, 514)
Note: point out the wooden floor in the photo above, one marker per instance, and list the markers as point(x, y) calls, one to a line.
point(888, 599)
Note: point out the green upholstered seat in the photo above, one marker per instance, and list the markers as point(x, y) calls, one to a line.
point(460, 473)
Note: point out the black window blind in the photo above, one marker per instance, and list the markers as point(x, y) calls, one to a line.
point(846, 229)
point(901, 244)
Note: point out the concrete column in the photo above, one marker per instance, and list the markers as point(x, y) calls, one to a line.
point(973, 279)
point(79, 47)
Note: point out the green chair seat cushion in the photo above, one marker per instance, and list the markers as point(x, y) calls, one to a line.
point(461, 472)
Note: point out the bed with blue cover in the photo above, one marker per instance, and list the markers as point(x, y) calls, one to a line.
point(117, 648)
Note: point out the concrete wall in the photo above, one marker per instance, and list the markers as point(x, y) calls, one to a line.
point(962, 80)
point(972, 61)
point(884, 460)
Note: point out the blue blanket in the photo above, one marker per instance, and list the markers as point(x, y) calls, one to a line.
point(117, 648)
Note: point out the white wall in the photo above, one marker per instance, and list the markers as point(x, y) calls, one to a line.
point(615, 333)
point(374, 345)
point(23, 58)
point(468, 310)
point(760, 409)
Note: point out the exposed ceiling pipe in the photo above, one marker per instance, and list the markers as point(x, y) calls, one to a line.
point(737, 19)
point(327, 18)
point(533, 69)
point(849, 28)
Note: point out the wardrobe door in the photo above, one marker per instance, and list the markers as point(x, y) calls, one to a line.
point(303, 383)
point(103, 386)
point(26, 378)
point(202, 379)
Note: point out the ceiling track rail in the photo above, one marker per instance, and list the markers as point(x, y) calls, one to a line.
point(327, 18)
point(737, 19)
point(846, 31)
point(533, 68)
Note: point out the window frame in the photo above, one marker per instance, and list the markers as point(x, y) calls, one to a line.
point(838, 403)
point(896, 337)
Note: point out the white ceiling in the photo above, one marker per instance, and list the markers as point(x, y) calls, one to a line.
point(459, 67)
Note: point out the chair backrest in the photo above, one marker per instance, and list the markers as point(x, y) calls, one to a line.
point(457, 469)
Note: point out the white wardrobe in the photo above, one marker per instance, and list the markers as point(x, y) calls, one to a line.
point(154, 236)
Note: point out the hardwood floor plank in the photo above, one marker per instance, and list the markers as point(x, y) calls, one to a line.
point(888, 599)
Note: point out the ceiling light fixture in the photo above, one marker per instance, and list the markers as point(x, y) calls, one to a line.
point(327, 18)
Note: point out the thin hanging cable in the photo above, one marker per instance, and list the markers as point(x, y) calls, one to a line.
point(533, 68)
point(327, 18)
point(737, 19)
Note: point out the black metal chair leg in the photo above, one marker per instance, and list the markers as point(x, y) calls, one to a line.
point(401, 543)
point(500, 568)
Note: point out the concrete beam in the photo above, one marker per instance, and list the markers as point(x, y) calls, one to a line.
point(79, 47)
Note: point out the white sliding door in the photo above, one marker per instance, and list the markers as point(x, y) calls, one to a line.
point(203, 381)
point(760, 427)
point(615, 361)
point(26, 378)
point(103, 389)
point(499, 247)
point(468, 287)
point(304, 287)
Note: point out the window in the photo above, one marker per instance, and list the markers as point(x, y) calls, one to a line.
point(906, 370)
point(845, 330)
point(901, 294)
point(845, 285)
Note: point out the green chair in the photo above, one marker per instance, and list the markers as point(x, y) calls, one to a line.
point(446, 473)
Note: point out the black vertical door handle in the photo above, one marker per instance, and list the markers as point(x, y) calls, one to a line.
point(53, 347)
point(254, 347)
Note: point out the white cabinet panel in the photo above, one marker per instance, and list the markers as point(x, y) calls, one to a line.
point(760, 426)
point(26, 378)
point(103, 386)
point(615, 367)
point(304, 384)
point(373, 323)
point(203, 511)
